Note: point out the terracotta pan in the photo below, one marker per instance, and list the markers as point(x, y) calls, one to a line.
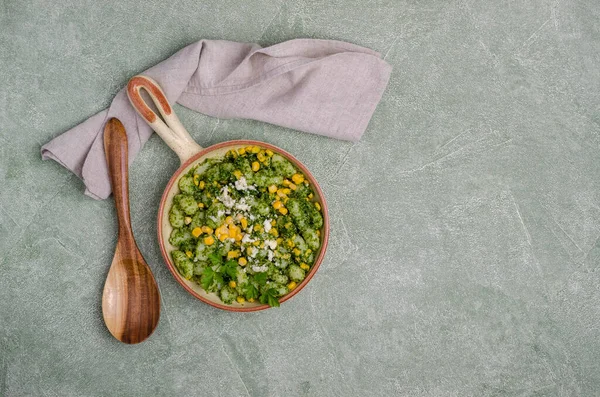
point(190, 153)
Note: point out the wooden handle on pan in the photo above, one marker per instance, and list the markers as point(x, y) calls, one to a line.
point(170, 130)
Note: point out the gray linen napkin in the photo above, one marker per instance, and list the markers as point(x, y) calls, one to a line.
point(319, 86)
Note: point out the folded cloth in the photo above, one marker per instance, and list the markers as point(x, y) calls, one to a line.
point(319, 86)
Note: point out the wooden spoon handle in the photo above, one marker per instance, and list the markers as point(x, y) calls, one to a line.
point(115, 147)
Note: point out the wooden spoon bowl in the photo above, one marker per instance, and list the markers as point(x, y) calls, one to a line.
point(130, 301)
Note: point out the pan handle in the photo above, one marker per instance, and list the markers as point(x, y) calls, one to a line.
point(173, 132)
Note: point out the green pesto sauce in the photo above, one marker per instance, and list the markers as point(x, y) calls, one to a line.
point(246, 226)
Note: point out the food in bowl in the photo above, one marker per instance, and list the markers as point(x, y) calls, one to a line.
point(246, 226)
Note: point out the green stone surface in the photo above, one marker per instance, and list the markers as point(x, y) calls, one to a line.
point(465, 253)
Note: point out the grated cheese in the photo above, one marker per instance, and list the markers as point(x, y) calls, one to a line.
point(242, 184)
point(267, 225)
point(271, 244)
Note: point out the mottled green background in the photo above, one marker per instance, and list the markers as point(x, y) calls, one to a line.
point(464, 256)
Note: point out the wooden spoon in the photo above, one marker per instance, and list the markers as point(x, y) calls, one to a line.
point(131, 301)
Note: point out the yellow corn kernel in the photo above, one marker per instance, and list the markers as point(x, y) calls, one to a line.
point(293, 186)
point(196, 179)
point(238, 237)
point(238, 174)
point(187, 220)
point(201, 185)
point(196, 232)
point(207, 230)
point(283, 210)
point(281, 192)
point(318, 206)
point(232, 231)
point(308, 251)
point(318, 233)
point(255, 166)
point(277, 204)
point(222, 229)
point(269, 152)
point(240, 300)
point(310, 195)
point(232, 284)
point(274, 232)
point(223, 237)
point(272, 188)
point(291, 285)
point(258, 228)
point(304, 266)
point(285, 200)
point(261, 157)
point(273, 222)
point(233, 254)
point(262, 244)
point(242, 151)
point(248, 149)
point(290, 243)
point(209, 240)
point(298, 178)
point(243, 261)
point(250, 300)
point(297, 252)
point(188, 254)
point(255, 149)
point(279, 240)
point(256, 243)
point(200, 205)
point(244, 223)
point(229, 220)
point(286, 256)
point(286, 182)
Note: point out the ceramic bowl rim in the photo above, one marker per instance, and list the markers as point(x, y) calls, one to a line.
point(298, 164)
